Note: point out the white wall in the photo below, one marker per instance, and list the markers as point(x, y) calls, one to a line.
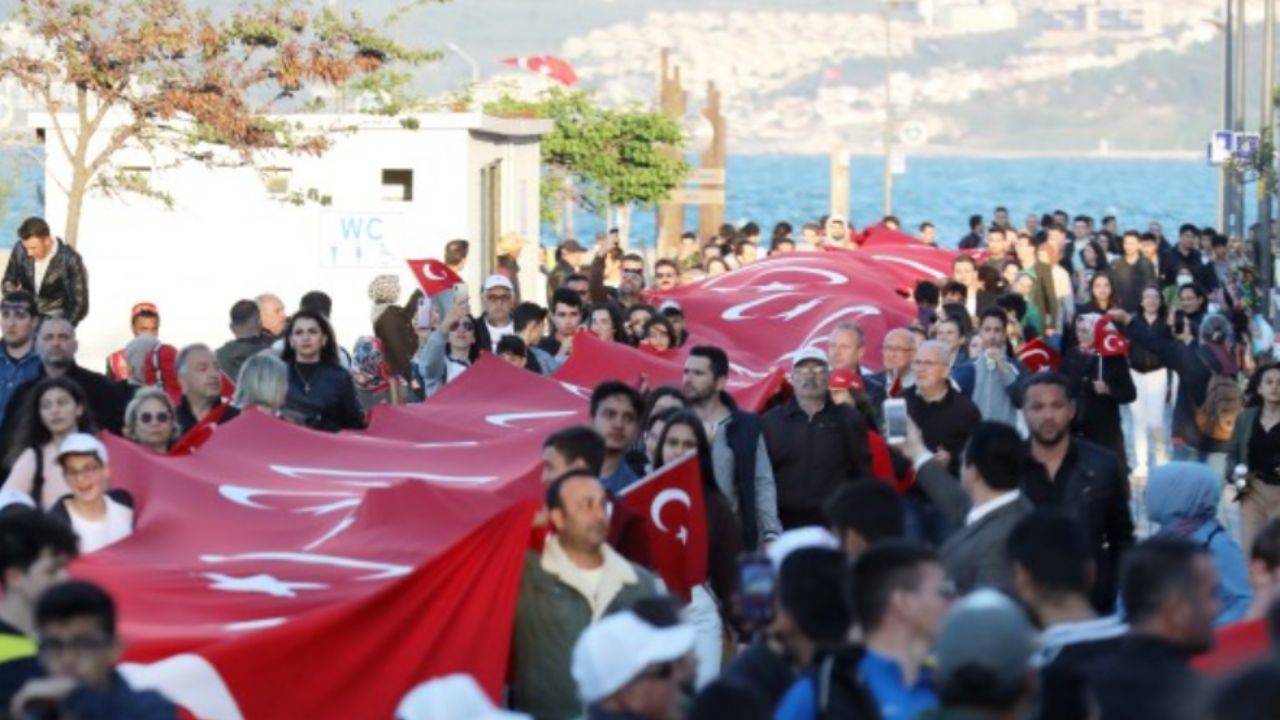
point(226, 239)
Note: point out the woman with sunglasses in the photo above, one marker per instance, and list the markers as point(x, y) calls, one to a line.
point(449, 350)
point(149, 420)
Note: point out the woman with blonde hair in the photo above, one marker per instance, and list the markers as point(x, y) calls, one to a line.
point(150, 420)
point(263, 384)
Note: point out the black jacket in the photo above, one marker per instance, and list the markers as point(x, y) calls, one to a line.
point(743, 437)
point(945, 424)
point(839, 692)
point(1128, 281)
point(812, 457)
point(1098, 416)
point(186, 417)
point(324, 396)
point(65, 290)
point(1195, 366)
point(1145, 678)
point(232, 355)
point(1141, 358)
point(1092, 487)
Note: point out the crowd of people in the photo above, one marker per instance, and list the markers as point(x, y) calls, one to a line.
point(1063, 481)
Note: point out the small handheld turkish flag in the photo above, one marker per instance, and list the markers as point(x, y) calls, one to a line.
point(671, 502)
point(1107, 340)
point(1036, 356)
point(433, 276)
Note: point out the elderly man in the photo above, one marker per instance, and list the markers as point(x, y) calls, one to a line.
point(271, 314)
point(575, 581)
point(496, 322)
point(944, 415)
point(201, 380)
point(897, 353)
point(815, 445)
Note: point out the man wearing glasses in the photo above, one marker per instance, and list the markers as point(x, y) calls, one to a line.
point(19, 361)
point(945, 416)
point(898, 351)
point(76, 622)
point(496, 322)
point(815, 445)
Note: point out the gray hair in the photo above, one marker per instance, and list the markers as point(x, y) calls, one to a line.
point(852, 327)
point(937, 345)
point(135, 407)
point(263, 380)
point(185, 354)
point(1216, 329)
point(136, 353)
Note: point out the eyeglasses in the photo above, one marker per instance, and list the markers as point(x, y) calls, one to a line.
point(160, 417)
point(55, 646)
point(462, 325)
point(811, 370)
point(498, 297)
point(926, 363)
point(897, 348)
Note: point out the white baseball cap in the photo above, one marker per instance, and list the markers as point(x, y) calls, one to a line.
point(452, 697)
point(810, 353)
point(837, 217)
point(497, 280)
point(83, 444)
point(614, 651)
point(811, 536)
point(670, 305)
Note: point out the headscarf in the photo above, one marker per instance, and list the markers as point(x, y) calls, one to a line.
point(384, 291)
point(1182, 496)
point(368, 366)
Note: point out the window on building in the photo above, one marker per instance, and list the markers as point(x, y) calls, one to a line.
point(277, 180)
point(397, 185)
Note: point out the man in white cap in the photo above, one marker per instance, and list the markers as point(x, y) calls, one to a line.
point(837, 232)
point(625, 668)
point(496, 322)
point(452, 697)
point(814, 444)
point(98, 516)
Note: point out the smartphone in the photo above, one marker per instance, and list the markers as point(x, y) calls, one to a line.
point(895, 421)
point(756, 580)
point(1179, 322)
point(460, 293)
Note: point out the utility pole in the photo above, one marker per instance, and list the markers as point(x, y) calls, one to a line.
point(1238, 112)
point(1266, 264)
point(888, 8)
point(1226, 181)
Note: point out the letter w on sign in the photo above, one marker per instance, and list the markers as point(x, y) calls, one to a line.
point(676, 519)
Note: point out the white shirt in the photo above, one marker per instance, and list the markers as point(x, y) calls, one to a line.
point(980, 511)
point(497, 333)
point(453, 368)
point(115, 526)
point(42, 266)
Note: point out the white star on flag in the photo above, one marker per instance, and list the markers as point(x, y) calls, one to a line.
point(261, 583)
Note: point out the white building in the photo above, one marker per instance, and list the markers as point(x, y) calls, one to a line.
point(394, 193)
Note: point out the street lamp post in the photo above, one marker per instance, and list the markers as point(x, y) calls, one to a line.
point(475, 67)
point(1265, 190)
point(888, 8)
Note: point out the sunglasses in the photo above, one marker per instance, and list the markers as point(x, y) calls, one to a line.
point(148, 418)
point(462, 325)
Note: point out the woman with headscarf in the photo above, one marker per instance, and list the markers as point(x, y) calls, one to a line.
point(393, 325)
point(1182, 498)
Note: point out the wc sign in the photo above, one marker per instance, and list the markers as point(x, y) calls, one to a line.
point(351, 239)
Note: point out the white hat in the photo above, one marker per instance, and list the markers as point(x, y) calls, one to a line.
point(83, 444)
point(453, 697)
point(837, 217)
point(614, 651)
point(809, 353)
point(497, 280)
point(798, 539)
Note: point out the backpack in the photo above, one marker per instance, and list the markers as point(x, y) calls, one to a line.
point(1223, 401)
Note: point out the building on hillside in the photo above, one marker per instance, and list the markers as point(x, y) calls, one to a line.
point(387, 190)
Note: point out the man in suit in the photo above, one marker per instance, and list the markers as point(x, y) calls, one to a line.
point(975, 556)
point(897, 353)
point(844, 352)
point(49, 269)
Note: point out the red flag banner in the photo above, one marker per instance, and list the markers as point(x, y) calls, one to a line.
point(671, 502)
point(433, 276)
point(547, 65)
point(1037, 355)
point(766, 312)
point(1236, 645)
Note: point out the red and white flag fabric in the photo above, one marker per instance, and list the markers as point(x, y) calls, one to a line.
point(433, 276)
point(548, 65)
point(1036, 355)
point(671, 502)
point(766, 312)
point(1107, 340)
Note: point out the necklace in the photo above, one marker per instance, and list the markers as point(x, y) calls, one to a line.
point(306, 383)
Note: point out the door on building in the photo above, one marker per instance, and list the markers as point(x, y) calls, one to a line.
point(490, 213)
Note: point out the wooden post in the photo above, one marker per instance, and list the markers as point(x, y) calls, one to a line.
point(840, 189)
point(711, 217)
point(673, 101)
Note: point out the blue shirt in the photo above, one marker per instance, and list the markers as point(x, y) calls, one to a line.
point(14, 373)
point(882, 677)
point(620, 478)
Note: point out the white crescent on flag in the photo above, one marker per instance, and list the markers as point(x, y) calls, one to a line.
point(663, 499)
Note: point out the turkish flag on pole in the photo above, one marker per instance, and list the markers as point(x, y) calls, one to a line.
point(1107, 340)
point(434, 277)
point(671, 502)
point(548, 65)
point(1037, 356)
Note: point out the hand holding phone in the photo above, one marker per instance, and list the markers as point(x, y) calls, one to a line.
point(895, 421)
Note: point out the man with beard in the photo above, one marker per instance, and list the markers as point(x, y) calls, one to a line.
point(739, 454)
point(1084, 480)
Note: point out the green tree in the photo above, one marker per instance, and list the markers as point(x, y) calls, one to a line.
point(615, 157)
point(183, 82)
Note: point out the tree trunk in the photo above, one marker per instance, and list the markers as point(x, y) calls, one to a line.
point(566, 216)
point(622, 221)
point(75, 203)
